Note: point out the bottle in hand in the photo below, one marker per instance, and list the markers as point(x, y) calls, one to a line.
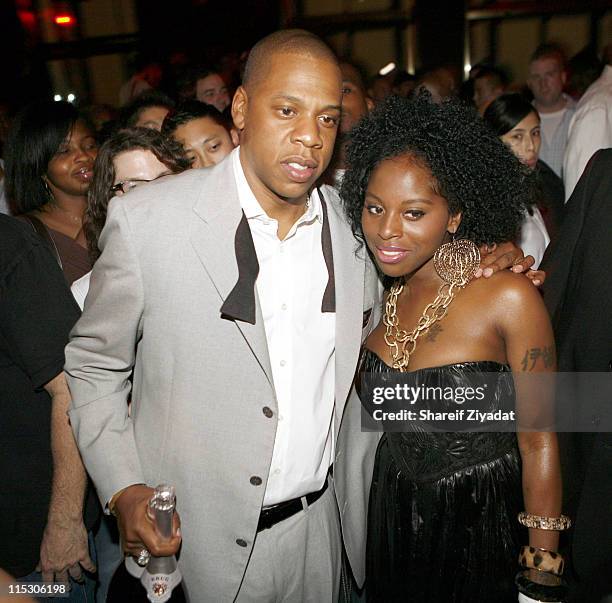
point(160, 580)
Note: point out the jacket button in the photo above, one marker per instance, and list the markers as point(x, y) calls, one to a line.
point(256, 481)
point(241, 542)
point(267, 411)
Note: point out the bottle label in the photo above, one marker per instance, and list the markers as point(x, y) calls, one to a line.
point(159, 587)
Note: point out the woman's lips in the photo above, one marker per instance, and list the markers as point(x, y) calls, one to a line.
point(530, 163)
point(298, 172)
point(391, 255)
point(84, 174)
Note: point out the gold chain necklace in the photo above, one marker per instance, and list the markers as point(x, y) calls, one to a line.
point(455, 263)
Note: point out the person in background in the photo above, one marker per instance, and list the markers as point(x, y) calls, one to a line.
point(146, 111)
point(579, 300)
point(489, 83)
point(516, 122)
point(590, 129)
point(148, 75)
point(101, 116)
point(212, 90)
point(355, 104)
point(547, 79)
point(380, 87)
point(129, 158)
point(404, 83)
point(206, 85)
point(49, 162)
point(206, 135)
point(43, 531)
point(439, 82)
point(584, 68)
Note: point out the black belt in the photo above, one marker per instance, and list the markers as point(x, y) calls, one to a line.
point(270, 516)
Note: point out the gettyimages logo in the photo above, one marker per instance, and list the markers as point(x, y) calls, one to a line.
point(499, 401)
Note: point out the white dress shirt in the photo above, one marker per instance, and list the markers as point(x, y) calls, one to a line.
point(533, 238)
point(590, 129)
point(80, 288)
point(301, 343)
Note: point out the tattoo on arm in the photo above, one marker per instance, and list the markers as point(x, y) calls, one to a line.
point(433, 332)
point(532, 355)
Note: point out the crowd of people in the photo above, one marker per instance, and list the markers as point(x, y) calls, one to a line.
point(202, 287)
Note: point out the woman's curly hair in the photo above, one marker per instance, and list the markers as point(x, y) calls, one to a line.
point(472, 169)
point(167, 150)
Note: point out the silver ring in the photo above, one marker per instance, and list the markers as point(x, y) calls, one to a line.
point(143, 558)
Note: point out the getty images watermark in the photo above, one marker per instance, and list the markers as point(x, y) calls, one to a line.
point(499, 401)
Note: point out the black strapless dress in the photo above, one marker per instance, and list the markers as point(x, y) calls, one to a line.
point(442, 521)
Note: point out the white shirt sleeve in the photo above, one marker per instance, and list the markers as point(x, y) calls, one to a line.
point(589, 132)
point(534, 239)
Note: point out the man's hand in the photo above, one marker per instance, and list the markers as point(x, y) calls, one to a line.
point(64, 550)
point(138, 528)
point(502, 256)
point(537, 277)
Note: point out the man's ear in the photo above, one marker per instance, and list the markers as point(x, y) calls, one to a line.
point(369, 103)
point(239, 108)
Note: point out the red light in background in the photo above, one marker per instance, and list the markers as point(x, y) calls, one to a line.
point(64, 20)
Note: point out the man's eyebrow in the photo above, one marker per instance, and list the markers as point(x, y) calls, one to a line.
point(299, 101)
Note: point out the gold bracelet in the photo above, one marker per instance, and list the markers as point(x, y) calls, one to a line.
point(543, 560)
point(539, 522)
point(111, 503)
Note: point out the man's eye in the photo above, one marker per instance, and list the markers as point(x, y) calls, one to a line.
point(215, 147)
point(346, 90)
point(328, 120)
point(286, 111)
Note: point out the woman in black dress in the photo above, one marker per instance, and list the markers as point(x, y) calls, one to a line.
point(427, 184)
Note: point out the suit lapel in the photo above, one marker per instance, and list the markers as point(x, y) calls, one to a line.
point(216, 221)
point(349, 289)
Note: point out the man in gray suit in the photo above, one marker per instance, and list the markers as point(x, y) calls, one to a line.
point(236, 296)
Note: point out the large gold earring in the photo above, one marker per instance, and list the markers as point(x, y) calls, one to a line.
point(456, 262)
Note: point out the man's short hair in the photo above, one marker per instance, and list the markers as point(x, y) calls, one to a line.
point(549, 51)
point(498, 77)
point(288, 41)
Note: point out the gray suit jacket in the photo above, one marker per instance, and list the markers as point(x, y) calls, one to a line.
point(202, 382)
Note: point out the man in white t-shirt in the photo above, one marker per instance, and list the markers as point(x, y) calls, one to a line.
point(547, 77)
point(590, 129)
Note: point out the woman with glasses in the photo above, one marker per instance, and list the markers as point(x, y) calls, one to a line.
point(129, 158)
